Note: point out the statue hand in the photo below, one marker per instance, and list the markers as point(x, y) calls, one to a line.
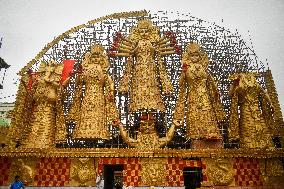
point(168, 92)
point(65, 93)
point(177, 123)
point(236, 82)
point(158, 54)
point(123, 89)
point(116, 122)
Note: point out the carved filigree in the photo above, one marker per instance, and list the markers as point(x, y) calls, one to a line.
point(153, 171)
point(220, 171)
point(82, 172)
point(25, 168)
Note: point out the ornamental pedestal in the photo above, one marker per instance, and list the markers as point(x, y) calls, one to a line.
point(144, 168)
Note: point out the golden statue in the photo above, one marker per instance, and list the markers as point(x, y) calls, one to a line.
point(44, 95)
point(198, 98)
point(33, 118)
point(144, 68)
point(248, 122)
point(36, 110)
point(94, 106)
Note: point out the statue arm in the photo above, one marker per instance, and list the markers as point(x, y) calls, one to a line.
point(125, 136)
point(169, 136)
point(60, 126)
point(234, 117)
point(215, 99)
point(61, 131)
point(166, 83)
point(66, 81)
point(267, 104)
point(212, 83)
point(112, 113)
point(265, 96)
point(109, 84)
point(179, 113)
point(19, 121)
point(268, 113)
point(124, 82)
point(75, 107)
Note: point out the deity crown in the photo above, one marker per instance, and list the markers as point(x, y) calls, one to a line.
point(142, 24)
point(97, 49)
point(193, 47)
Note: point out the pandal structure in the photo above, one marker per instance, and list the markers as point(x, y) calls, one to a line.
point(154, 95)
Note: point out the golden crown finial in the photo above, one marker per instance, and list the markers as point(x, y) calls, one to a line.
point(146, 23)
point(97, 49)
point(193, 47)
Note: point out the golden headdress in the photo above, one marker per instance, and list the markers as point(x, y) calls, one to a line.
point(195, 48)
point(97, 49)
point(145, 24)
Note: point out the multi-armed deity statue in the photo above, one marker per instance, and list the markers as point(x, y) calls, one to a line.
point(249, 123)
point(145, 69)
point(144, 72)
point(198, 98)
point(94, 107)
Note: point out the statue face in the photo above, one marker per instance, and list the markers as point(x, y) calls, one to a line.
point(144, 27)
point(248, 80)
point(59, 68)
point(144, 32)
point(95, 58)
point(147, 128)
point(195, 57)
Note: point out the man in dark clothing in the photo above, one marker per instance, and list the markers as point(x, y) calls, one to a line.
point(17, 184)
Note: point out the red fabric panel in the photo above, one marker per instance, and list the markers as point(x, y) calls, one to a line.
point(67, 69)
point(32, 78)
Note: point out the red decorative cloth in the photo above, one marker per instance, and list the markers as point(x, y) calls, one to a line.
point(32, 78)
point(67, 69)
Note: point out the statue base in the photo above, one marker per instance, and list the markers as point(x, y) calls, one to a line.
point(158, 167)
